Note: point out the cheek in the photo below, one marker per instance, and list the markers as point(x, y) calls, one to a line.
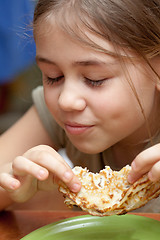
point(121, 100)
point(51, 96)
point(116, 103)
point(148, 100)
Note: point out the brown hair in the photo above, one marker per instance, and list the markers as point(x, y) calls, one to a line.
point(129, 24)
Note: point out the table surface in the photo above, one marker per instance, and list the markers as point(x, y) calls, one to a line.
point(16, 224)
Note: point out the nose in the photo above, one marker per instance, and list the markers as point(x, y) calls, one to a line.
point(71, 98)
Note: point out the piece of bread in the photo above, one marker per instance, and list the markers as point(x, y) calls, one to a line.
point(108, 192)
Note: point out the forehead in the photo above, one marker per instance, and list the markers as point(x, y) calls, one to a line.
point(55, 45)
point(79, 34)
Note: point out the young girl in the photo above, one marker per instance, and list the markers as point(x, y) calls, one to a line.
point(100, 97)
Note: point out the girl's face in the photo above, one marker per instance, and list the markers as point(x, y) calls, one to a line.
point(89, 95)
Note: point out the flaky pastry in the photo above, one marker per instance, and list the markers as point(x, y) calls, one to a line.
point(108, 192)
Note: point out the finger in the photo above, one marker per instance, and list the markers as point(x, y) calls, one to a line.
point(22, 166)
point(146, 158)
point(73, 183)
point(154, 173)
point(56, 164)
point(143, 162)
point(8, 182)
point(42, 149)
point(134, 174)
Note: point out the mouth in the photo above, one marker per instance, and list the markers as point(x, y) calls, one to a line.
point(77, 129)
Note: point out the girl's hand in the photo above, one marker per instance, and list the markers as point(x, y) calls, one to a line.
point(38, 169)
point(147, 161)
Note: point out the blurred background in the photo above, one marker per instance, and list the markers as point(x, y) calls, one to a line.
point(19, 75)
point(18, 71)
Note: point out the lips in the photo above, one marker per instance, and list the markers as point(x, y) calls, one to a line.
point(76, 129)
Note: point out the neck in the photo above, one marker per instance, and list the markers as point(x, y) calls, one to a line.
point(124, 155)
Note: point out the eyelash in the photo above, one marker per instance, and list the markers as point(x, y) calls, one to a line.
point(92, 83)
point(52, 81)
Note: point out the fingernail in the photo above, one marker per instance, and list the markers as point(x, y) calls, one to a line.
point(130, 179)
point(75, 187)
point(133, 165)
point(67, 175)
point(14, 184)
point(150, 176)
point(41, 173)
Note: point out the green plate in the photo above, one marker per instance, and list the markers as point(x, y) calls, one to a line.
point(123, 227)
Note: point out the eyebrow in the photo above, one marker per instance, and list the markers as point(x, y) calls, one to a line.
point(78, 63)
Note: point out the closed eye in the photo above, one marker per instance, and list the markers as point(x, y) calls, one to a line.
point(95, 83)
point(92, 83)
point(52, 81)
